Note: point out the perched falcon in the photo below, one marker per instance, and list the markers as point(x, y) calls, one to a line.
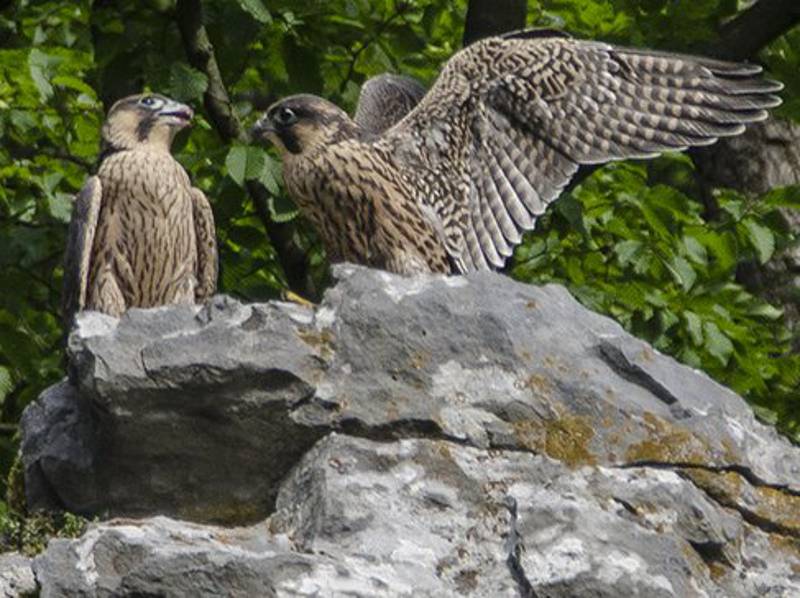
point(140, 234)
point(454, 184)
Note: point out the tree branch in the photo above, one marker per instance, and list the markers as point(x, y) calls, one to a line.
point(741, 38)
point(492, 17)
point(748, 32)
point(200, 53)
point(400, 8)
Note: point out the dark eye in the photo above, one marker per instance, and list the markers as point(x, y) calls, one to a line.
point(150, 102)
point(285, 117)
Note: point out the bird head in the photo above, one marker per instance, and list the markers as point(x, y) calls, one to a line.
point(147, 119)
point(302, 122)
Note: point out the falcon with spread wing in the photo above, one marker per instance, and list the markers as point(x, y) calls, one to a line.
point(453, 185)
point(140, 234)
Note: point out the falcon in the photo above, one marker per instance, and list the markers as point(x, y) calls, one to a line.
point(140, 234)
point(452, 186)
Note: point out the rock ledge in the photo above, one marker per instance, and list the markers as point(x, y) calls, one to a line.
point(428, 436)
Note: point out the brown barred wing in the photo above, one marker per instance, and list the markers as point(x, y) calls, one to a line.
point(78, 255)
point(205, 234)
point(536, 105)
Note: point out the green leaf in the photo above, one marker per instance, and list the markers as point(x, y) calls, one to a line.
point(40, 66)
point(256, 9)
point(765, 310)
point(762, 239)
point(695, 250)
point(281, 209)
point(733, 207)
point(717, 344)
point(722, 246)
point(783, 197)
point(6, 383)
point(654, 220)
point(60, 205)
point(626, 251)
point(70, 82)
point(668, 319)
point(694, 326)
point(236, 163)
point(22, 120)
point(248, 236)
point(767, 416)
point(572, 210)
point(245, 163)
point(250, 163)
point(270, 175)
point(683, 272)
point(186, 83)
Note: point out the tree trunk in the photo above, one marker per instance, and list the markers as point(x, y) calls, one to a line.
point(492, 17)
point(200, 53)
point(744, 36)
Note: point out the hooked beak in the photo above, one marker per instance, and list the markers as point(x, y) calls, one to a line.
point(262, 129)
point(176, 114)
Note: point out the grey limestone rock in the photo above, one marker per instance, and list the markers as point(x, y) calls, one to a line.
point(423, 436)
point(419, 517)
point(16, 576)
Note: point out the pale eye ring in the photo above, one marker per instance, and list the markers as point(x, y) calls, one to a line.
point(150, 102)
point(285, 116)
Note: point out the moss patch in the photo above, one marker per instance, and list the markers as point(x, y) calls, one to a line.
point(565, 439)
point(322, 341)
point(780, 507)
point(230, 513)
point(538, 384)
point(666, 443)
point(770, 509)
point(789, 546)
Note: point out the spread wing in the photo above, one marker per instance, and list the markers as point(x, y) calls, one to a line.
point(385, 99)
point(513, 117)
point(207, 261)
point(78, 256)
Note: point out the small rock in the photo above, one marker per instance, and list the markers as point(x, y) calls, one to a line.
point(16, 576)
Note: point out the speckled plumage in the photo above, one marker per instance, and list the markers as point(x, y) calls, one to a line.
point(140, 234)
point(453, 185)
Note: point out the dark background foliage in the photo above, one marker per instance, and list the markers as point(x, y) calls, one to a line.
point(654, 245)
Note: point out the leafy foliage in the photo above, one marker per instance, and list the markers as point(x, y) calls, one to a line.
point(30, 535)
point(631, 241)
